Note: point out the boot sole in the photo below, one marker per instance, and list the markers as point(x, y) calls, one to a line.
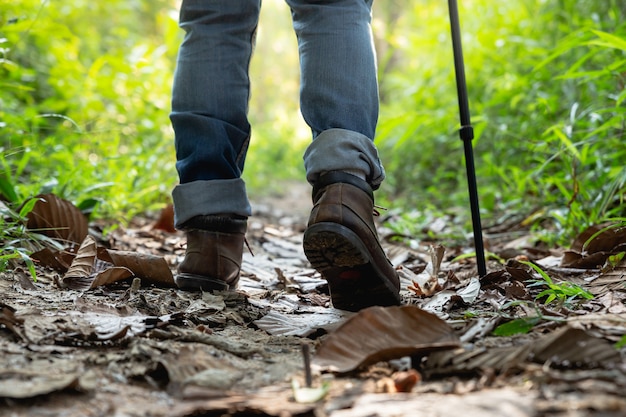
point(353, 278)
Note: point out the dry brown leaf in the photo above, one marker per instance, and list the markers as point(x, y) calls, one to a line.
point(165, 221)
point(593, 246)
point(52, 258)
point(479, 359)
point(426, 283)
point(571, 347)
point(383, 333)
point(58, 218)
point(612, 280)
point(606, 239)
point(110, 276)
point(87, 272)
point(152, 268)
point(83, 263)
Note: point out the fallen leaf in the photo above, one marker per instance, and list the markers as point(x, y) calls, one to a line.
point(57, 218)
point(383, 333)
point(571, 347)
point(165, 221)
point(85, 272)
point(610, 280)
point(300, 324)
point(54, 259)
point(478, 359)
point(470, 292)
point(80, 274)
point(152, 268)
point(426, 283)
point(594, 246)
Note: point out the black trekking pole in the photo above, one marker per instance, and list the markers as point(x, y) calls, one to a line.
point(467, 134)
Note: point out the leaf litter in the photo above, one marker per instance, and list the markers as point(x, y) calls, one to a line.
point(103, 325)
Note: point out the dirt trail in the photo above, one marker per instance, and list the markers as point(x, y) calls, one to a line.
point(132, 350)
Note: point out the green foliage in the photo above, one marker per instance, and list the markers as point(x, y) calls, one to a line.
point(84, 111)
point(563, 293)
point(86, 90)
point(516, 326)
point(16, 242)
point(546, 85)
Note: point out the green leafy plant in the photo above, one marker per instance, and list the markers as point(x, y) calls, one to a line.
point(16, 241)
point(565, 292)
point(522, 325)
point(546, 85)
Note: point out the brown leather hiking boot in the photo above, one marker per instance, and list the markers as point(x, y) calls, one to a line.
point(213, 255)
point(341, 242)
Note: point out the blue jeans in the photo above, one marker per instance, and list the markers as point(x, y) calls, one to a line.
point(338, 97)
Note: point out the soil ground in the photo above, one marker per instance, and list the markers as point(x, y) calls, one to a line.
point(143, 350)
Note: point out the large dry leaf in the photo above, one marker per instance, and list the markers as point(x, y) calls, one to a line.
point(57, 218)
point(152, 268)
point(87, 272)
point(481, 359)
point(611, 280)
point(82, 268)
point(383, 333)
point(606, 238)
point(94, 266)
point(51, 258)
point(571, 347)
point(299, 324)
point(594, 245)
point(610, 325)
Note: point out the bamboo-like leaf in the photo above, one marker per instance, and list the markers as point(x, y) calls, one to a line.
point(609, 40)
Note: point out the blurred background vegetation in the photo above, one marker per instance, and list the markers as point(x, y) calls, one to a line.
point(85, 96)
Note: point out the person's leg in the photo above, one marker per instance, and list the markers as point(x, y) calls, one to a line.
point(339, 101)
point(339, 89)
point(209, 116)
point(209, 106)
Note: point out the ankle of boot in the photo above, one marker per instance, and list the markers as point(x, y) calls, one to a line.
point(217, 223)
point(336, 177)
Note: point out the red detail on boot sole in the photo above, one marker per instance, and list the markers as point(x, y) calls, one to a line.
point(351, 274)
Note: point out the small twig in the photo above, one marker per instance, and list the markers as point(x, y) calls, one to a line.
point(306, 354)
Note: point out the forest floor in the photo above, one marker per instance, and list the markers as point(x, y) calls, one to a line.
point(136, 348)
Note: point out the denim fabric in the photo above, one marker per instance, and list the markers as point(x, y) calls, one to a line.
point(338, 100)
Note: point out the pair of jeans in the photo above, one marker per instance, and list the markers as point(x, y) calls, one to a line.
point(211, 89)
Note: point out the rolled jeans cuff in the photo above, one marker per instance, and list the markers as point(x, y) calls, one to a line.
point(201, 198)
point(343, 150)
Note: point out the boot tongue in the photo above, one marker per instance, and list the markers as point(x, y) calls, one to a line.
point(339, 177)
